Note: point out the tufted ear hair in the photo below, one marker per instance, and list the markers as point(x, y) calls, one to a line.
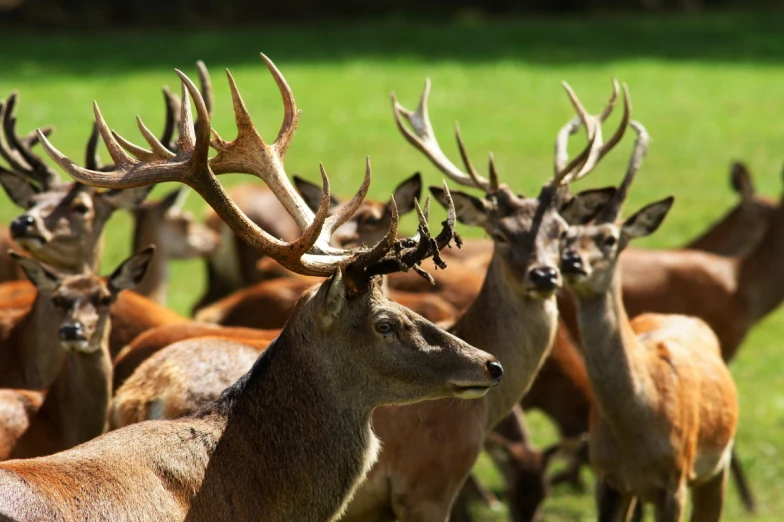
point(584, 207)
point(407, 192)
point(331, 297)
point(18, 188)
point(44, 277)
point(470, 210)
point(131, 271)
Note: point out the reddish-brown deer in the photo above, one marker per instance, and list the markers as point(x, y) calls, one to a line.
point(63, 224)
point(75, 405)
point(292, 439)
point(666, 406)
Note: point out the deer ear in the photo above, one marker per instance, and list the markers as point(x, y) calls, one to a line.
point(311, 193)
point(585, 206)
point(18, 188)
point(125, 198)
point(407, 192)
point(740, 178)
point(647, 220)
point(44, 277)
point(470, 210)
point(174, 200)
point(331, 296)
point(131, 271)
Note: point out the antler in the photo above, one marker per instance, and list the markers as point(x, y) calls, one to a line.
point(407, 254)
point(424, 139)
point(17, 151)
point(310, 254)
point(587, 160)
point(613, 209)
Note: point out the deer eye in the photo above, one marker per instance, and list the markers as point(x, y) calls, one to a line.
point(609, 241)
point(80, 208)
point(105, 300)
point(59, 302)
point(372, 221)
point(384, 327)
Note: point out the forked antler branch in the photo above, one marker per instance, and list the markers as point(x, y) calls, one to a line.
point(613, 209)
point(311, 254)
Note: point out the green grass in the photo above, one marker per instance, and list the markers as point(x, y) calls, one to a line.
point(707, 88)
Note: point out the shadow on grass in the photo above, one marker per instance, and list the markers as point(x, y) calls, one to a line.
point(751, 37)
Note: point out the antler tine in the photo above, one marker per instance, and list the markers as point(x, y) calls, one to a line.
point(347, 210)
point(613, 210)
point(290, 112)
point(249, 154)
point(611, 103)
point(20, 156)
point(191, 167)
point(172, 118)
point(621, 130)
point(91, 159)
point(159, 150)
point(409, 253)
point(9, 155)
point(206, 86)
point(423, 138)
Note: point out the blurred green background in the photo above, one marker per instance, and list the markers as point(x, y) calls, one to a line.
point(707, 87)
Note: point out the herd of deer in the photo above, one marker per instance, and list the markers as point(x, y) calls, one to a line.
point(276, 401)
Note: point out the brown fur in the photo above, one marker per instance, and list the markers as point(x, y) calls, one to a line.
point(666, 406)
point(73, 408)
point(175, 233)
point(281, 444)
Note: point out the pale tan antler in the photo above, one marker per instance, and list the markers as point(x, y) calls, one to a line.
point(18, 151)
point(584, 163)
point(424, 139)
point(613, 209)
point(311, 253)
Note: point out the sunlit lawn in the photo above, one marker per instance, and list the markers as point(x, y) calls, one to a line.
point(707, 89)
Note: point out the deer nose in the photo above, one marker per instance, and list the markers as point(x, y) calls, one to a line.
point(495, 370)
point(544, 278)
point(20, 225)
point(71, 331)
point(572, 263)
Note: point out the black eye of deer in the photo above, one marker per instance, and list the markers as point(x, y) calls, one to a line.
point(609, 241)
point(372, 221)
point(80, 208)
point(105, 300)
point(499, 238)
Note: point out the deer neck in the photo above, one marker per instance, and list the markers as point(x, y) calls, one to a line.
point(761, 278)
point(614, 358)
point(155, 281)
point(517, 329)
point(76, 406)
point(34, 339)
point(313, 458)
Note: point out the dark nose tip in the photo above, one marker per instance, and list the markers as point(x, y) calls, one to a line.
point(495, 370)
point(572, 263)
point(544, 277)
point(21, 224)
point(71, 331)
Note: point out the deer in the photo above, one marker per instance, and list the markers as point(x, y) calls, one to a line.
point(533, 301)
point(63, 223)
point(73, 408)
point(666, 413)
point(236, 266)
point(258, 451)
point(177, 235)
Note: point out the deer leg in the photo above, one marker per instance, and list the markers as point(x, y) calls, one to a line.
point(611, 504)
point(669, 506)
point(742, 483)
point(708, 499)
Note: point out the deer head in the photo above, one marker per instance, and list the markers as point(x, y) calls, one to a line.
point(375, 347)
point(590, 252)
point(371, 221)
point(82, 302)
point(526, 231)
point(180, 235)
